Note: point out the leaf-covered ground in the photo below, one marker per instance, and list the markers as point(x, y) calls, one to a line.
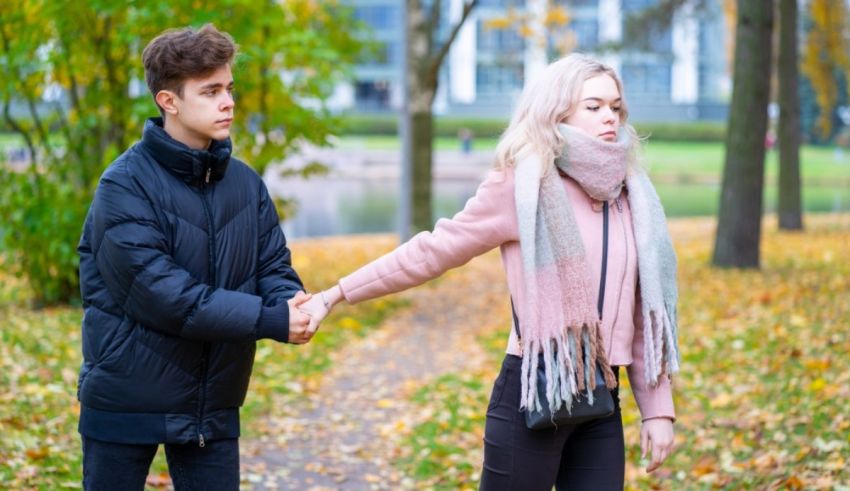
point(761, 401)
point(40, 357)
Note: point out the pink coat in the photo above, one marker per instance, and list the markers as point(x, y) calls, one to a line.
point(489, 220)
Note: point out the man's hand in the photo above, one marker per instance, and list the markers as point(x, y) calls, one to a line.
point(299, 321)
point(656, 437)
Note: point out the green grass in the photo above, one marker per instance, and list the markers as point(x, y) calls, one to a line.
point(705, 160)
point(682, 161)
point(684, 200)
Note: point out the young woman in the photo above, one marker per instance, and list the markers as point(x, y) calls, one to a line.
point(566, 194)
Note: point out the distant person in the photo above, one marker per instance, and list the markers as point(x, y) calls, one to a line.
point(769, 140)
point(183, 268)
point(566, 202)
point(465, 136)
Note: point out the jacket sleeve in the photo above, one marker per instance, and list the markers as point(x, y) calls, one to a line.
point(277, 280)
point(653, 402)
point(142, 277)
point(487, 221)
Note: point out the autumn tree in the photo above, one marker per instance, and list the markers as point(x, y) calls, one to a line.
point(739, 219)
point(825, 55)
point(75, 68)
point(425, 52)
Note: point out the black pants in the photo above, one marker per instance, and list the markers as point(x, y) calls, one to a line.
point(588, 456)
point(109, 466)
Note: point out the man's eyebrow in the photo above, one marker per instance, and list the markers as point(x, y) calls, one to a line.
point(215, 85)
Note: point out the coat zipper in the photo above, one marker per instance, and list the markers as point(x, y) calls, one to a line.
point(205, 356)
point(604, 275)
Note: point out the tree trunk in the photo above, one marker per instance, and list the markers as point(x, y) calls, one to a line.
point(422, 133)
point(790, 206)
point(419, 117)
point(424, 56)
point(739, 218)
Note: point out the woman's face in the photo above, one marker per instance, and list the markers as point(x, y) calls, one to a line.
point(597, 111)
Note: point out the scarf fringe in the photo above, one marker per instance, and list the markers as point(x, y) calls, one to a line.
point(566, 360)
point(661, 347)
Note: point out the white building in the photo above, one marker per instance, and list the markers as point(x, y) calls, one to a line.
point(684, 76)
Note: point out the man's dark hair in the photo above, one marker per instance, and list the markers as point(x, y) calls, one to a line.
point(180, 54)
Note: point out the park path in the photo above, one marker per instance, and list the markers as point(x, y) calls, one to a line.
point(344, 435)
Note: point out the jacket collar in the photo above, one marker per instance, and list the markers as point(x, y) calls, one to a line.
point(186, 163)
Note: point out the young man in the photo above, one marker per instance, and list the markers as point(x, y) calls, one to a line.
point(183, 267)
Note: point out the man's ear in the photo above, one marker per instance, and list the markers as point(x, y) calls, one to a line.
point(166, 100)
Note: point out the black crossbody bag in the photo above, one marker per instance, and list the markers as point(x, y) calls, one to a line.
point(582, 410)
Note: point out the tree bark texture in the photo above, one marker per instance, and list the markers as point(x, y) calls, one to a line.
point(790, 200)
point(739, 219)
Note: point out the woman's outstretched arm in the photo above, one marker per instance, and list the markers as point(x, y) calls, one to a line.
point(487, 221)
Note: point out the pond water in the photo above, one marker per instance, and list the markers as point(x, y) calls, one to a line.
point(348, 205)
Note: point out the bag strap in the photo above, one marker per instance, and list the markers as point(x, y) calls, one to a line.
point(601, 300)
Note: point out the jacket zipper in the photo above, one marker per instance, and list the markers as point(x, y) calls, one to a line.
point(604, 276)
point(205, 356)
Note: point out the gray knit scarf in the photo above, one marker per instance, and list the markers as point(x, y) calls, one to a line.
point(559, 315)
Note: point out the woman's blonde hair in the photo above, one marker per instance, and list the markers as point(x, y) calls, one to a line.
point(547, 101)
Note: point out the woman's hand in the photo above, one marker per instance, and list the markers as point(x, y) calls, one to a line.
point(656, 438)
point(317, 312)
point(320, 306)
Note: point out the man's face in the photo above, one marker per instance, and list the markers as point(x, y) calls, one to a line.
point(205, 111)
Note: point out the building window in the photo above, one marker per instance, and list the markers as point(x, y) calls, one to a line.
point(501, 4)
point(637, 5)
point(379, 16)
point(499, 40)
point(647, 81)
point(498, 79)
point(656, 42)
point(586, 32)
point(372, 95)
point(379, 54)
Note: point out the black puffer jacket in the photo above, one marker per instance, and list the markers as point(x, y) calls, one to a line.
point(183, 266)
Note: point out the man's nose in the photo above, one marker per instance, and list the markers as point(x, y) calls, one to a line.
point(228, 102)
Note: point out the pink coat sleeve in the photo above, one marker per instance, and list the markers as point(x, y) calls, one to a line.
point(653, 402)
point(487, 221)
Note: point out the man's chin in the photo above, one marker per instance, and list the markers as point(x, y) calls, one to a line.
point(220, 135)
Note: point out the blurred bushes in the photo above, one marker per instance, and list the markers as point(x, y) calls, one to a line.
point(386, 125)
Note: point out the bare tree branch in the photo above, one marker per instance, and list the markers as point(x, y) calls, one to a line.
point(437, 60)
point(434, 18)
point(7, 116)
point(74, 91)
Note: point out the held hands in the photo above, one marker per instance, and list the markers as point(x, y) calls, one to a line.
point(299, 321)
point(656, 437)
point(318, 307)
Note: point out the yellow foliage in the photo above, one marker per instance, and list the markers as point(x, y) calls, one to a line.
point(825, 53)
point(765, 372)
point(557, 16)
point(498, 23)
